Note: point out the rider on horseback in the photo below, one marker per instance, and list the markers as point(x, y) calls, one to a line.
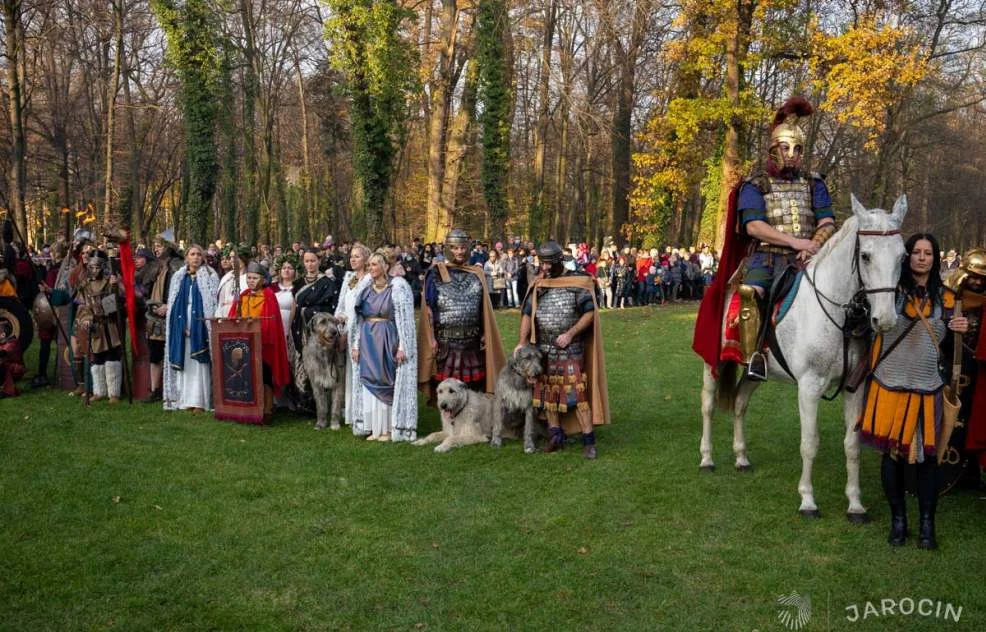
point(788, 214)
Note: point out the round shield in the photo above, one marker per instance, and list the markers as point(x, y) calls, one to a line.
point(43, 313)
point(15, 322)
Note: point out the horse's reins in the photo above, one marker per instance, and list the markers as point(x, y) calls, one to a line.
point(858, 304)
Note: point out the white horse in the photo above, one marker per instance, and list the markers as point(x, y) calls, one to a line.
point(864, 255)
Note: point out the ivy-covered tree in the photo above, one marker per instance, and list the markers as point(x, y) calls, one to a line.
point(193, 50)
point(368, 48)
point(494, 62)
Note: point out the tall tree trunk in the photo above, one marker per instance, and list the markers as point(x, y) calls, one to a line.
point(738, 28)
point(251, 203)
point(306, 169)
point(442, 86)
point(17, 174)
point(536, 227)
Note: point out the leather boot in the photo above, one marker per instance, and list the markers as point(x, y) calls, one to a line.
point(893, 487)
point(556, 441)
point(927, 478)
point(589, 445)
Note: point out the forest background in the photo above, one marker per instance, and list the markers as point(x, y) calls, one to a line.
point(283, 120)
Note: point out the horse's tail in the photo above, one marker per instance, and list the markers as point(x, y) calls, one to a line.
point(729, 379)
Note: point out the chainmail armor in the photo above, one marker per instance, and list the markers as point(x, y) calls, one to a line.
point(913, 364)
point(557, 312)
point(458, 321)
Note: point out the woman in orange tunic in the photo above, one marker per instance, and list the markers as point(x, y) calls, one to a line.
point(902, 413)
point(259, 301)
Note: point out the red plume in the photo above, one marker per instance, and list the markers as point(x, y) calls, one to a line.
point(794, 105)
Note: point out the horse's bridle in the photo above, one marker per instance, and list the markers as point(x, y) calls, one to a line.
point(855, 259)
point(856, 311)
point(858, 301)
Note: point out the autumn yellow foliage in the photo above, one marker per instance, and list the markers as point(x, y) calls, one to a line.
point(863, 70)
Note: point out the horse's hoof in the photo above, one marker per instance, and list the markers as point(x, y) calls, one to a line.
point(530, 450)
point(812, 514)
point(707, 468)
point(858, 518)
point(744, 468)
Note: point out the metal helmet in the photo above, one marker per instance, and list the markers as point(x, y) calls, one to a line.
point(550, 252)
point(458, 237)
point(785, 128)
point(974, 262)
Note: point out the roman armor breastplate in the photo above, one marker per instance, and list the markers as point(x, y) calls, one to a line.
point(556, 314)
point(789, 207)
point(460, 308)
point(913, 364)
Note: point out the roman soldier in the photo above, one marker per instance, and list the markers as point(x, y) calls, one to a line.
point(99, 300)
point(72, 275)
point(44, 314)
point(781, 217)
point(561, 317)
point(156, 282)
point(458, 336)
point(968, 281)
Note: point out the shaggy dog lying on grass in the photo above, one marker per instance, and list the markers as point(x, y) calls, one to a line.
point(465, 417)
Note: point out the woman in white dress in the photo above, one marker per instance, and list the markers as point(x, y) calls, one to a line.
point(228, 291)
point(286, 271)
point(345, 314)
point(383, 345)
point(187, 366)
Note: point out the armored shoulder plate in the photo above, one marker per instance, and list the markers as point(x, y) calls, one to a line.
point(954, 279)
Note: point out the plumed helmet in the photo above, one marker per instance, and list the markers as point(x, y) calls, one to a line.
point(550, 252)
point(99, 254)
point(457, 237)
point(974, 262)
point(785, 126)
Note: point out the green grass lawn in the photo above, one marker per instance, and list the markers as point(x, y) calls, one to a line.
point(130, 518)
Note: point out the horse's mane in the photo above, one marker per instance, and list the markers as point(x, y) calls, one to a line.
point(848, 229)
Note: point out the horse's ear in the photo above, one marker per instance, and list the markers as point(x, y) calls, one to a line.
point(857, 209)
point(900, 210)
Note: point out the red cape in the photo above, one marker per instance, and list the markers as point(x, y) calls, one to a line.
point(707, 340)
point(275, 349)
point(127, 271)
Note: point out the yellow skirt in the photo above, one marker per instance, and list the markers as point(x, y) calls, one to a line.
point(891, 419)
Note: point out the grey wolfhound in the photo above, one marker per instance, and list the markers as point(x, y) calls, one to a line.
point(513, 397)
point(465, 417)
point(324, 362)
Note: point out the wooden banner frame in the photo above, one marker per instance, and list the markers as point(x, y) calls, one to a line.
point(237, 370)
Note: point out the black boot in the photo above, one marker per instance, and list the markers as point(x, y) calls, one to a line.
point(927, 478)
point(589, 445)
point(556, 440)
point(893, 487)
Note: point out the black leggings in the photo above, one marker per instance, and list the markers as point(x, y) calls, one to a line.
point(110, 355)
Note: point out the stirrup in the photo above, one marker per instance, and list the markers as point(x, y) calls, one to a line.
point(757, 368)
